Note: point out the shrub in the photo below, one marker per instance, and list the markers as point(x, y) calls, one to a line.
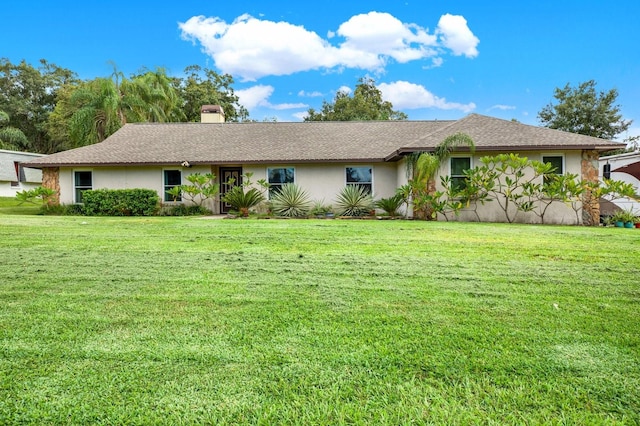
point(290, 201)
point(241, 200)
point(319, 208)
point(62, 210)
point(183, 210)
point(120, 202)
point(354, 200)
point(390, 205)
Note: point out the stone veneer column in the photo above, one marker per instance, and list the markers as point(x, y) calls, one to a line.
point(590, 206)
point(51, 180)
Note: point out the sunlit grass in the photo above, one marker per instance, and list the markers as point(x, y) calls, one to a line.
point(195, 321)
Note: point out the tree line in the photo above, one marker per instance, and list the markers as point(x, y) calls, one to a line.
point(48, 108)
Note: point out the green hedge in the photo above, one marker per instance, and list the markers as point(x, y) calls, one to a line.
point(120, 202)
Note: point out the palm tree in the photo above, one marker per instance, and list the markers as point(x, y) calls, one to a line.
point(98, 111)
point(152, 97)
point(423, 166)
point(10, 137)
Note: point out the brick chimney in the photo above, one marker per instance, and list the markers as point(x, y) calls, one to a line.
point(211, 114)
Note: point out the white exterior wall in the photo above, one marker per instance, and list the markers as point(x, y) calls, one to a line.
point(617, 161)
point(7, 190)
point(323, 182)
point(125, 178)
point(557, 213)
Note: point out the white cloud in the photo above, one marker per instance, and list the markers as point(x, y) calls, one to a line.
point(405, 95)
point(502, 107)
point(310, 94)
point(435, 63)
point(254, 96)
point(300, 115)
point(377, 35)
point(456, 35)
point(288, 106)
point(258, 96)
point(345, 89)
point(252, 48)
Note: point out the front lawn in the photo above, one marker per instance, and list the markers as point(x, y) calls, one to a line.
point(10, 205)
point(197, 321)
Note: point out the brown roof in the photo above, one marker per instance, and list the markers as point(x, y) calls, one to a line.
point(494, 134)
point(348, 141)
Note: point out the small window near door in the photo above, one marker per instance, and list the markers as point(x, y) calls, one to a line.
point(361, 176)
point(459, 165)
point(278, 176)
point(83, 181)
point(172, 178)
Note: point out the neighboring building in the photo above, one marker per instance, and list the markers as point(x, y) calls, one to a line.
point(321, 157)
point(624, 167)
point(13, 176)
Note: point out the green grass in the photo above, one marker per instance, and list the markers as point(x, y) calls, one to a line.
point(10, 205)
point(195, 321)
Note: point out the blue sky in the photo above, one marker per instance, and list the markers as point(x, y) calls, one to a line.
point(432, 59)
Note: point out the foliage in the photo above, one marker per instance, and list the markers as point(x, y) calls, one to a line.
point(180, 321)
point(40, 195)
point(607, 188)
point(319, 208)
point(290, 201)
point(120, 202)
point(581, 110)
point(555, 188)
point(88, 112)
point(207, 87)
point(624, 216)
point(28, 95)
point(246, 196)
point(11, 138)
point(354, 200)
point(511, 181)
point(476, 191)
point(182, 210)
point(421, 171)
point(390, 204)
point(201, 187)
point(365, 104)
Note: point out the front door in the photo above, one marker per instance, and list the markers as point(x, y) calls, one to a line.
point(227, 173)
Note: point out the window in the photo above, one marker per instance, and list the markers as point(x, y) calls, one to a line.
point(19, 175)
point(362, 176)
point(278, 176)
point(557, 161)
point(83, 181)
point(172, 178)
point(458, 166)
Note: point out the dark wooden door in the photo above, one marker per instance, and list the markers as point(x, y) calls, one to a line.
point(227, 173)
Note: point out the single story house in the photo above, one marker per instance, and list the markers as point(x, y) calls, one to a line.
point(14, 177)
point(624, 167)
point(321, 157)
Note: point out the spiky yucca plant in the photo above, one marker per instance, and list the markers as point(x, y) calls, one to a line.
point(354, 200)
point(290, 201)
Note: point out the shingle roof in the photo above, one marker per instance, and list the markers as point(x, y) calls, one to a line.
point(235, 143)
point(8, 169)
point(494, 134)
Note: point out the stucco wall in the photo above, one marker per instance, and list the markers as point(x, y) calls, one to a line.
point(557, 213)
point(324, 181)
point(123, 178)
